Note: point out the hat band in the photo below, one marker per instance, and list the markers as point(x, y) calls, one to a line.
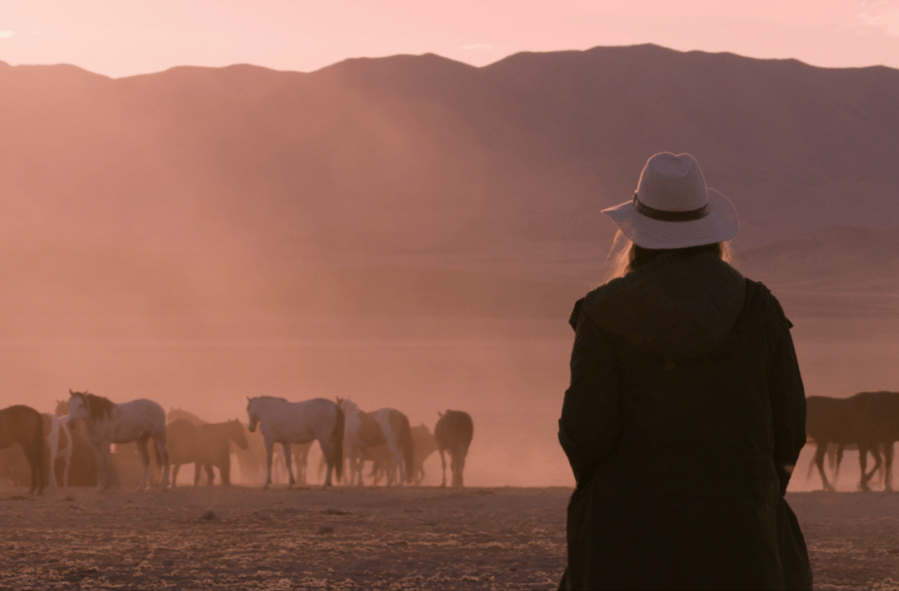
point(670, 216)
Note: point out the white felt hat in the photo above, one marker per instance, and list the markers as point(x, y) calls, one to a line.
point(673, 208)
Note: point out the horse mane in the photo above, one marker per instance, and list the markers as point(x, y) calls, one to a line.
point(98, 407)
point(178, 413)
point(274, 398)
point(62, 408)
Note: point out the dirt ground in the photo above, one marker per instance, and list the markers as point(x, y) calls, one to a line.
point(414, 538)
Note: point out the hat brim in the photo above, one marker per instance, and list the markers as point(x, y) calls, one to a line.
point(720, 225)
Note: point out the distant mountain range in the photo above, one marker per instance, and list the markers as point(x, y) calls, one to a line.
point(419, 162)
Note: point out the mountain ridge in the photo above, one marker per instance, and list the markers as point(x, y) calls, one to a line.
point(375, 161)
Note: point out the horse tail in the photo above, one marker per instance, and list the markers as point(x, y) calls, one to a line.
point(337, 442)
point(405, 443)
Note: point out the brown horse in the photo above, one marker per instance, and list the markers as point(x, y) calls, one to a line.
point(178, 413)
point(214, 442)
point(181, 443)
point(205, 445)
point(453, 433)
point(23, 425)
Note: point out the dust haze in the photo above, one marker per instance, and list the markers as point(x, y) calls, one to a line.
point(413, 232)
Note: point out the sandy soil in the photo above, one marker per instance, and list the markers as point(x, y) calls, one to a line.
point(425, 538)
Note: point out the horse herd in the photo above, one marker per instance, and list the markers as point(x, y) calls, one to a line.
point(85, 427)
point(867, 421)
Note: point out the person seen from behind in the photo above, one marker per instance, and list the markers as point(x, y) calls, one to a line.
point(686, 412)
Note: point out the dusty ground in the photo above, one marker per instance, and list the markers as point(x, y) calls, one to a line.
point(426, 538)
point(423, 538)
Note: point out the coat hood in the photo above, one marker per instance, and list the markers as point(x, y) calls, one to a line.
point(675, 308)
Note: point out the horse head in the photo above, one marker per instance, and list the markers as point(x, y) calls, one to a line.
point(252, 413)
point(87, 407)
point(78, 408)
point(237, 435)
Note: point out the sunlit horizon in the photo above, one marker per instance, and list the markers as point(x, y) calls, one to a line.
point(129, 38)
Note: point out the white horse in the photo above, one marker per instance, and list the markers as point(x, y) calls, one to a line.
point(59, 442)
point(365, 431)
point(106, 422)
point(361, 432)
point(398, 436)
point(286, 422)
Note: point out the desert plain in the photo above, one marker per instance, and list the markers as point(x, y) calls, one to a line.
point(369, 538)
point(350, 538)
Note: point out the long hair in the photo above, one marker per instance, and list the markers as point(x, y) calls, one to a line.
point(625, 256)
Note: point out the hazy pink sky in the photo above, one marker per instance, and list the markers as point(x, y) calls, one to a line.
point(125, 37)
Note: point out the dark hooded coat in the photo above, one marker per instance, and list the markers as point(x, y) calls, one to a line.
point(685, 406)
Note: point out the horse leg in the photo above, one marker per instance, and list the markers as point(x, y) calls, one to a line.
point(819, 462)
point(102, 455)
point(225, 471)
point(300, 460)
point(329, 453)
point(863, 450)
point(34, 453)
point(144, 459)
point(287, 463)
point(888, 466)
point(357, 465)
point(210, 473)
point(162, 456)
point(836, 469)
point(67, 457)
point(395, 465)
point(878, 463)
point(459, 465)
point(443, 461)
point(400, 461)
point(53, 443)
point(269, 450)
point(175, 468)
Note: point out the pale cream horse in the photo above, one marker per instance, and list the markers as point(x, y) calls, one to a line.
point(106, 422)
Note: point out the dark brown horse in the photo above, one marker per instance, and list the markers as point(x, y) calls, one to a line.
point(453, 433)
point(877, 415)
point(881, 411)
point(844, 421)
point(23, 425)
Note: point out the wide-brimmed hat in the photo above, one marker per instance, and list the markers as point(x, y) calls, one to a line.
point(673, 207)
